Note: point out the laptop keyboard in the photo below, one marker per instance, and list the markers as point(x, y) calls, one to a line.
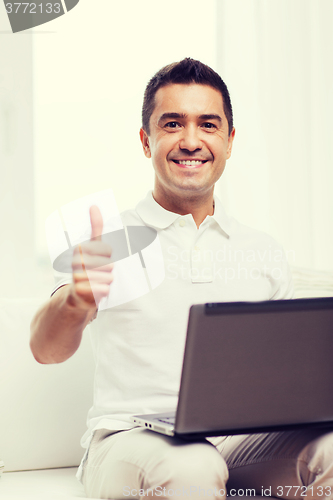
point(167, 420)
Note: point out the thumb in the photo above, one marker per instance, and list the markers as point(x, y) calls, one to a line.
point(96, 220)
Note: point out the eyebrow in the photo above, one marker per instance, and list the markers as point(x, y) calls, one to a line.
point(211, 117)
point(167, 116)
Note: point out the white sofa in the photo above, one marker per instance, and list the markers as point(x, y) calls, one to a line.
point(43, 411)
point(43, 407)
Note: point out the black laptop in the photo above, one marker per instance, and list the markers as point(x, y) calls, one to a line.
point(253, 367)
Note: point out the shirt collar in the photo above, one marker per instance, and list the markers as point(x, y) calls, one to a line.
point(154, 215)
point(221, 218)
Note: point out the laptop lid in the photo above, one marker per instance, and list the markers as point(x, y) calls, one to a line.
point(255, 367)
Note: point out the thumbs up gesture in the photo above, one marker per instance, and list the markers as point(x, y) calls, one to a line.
point(92, 267)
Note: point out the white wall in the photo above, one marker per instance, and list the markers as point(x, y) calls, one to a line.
point(16, 161)
point(276, 57)
point(79, 133)
point(89, 78)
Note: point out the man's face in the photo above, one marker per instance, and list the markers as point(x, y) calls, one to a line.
point(188, 142)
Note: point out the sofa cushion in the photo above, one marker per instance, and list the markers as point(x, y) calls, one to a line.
point(43, 407)
point(48, 484)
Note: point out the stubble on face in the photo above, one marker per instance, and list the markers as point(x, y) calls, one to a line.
point(188, 143)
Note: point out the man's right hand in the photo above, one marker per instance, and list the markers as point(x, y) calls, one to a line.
point(92, 267)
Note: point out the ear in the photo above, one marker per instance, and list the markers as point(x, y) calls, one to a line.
point(230, 142)
point(145, 142)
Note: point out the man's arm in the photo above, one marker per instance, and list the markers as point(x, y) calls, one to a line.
point(56, 329)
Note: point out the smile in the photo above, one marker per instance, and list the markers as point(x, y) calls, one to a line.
point(190, 163)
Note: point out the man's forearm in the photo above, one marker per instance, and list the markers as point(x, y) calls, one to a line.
point(56, 329)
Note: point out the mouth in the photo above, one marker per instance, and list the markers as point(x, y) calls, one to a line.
point(190, 163)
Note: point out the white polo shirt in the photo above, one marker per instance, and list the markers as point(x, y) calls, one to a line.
point(139, 344)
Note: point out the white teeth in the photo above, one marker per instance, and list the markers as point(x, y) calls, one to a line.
point(190, 162)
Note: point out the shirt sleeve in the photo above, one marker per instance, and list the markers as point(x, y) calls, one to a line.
point(61, 279)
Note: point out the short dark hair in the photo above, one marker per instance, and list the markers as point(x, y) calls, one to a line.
point(185, 72)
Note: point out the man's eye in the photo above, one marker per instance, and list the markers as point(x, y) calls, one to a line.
point(209, 125)
point(172, 124)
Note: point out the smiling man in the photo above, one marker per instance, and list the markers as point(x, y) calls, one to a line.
point(187, 132)
point(189, 140)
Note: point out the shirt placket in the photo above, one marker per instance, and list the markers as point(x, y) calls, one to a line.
point(201, 258)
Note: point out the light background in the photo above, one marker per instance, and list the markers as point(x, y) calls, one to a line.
point(70, 106)
point(89, 84)
point(70, 113)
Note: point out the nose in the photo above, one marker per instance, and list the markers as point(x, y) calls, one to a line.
point(190, 139)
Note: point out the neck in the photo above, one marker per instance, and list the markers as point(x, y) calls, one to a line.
point(198, 206)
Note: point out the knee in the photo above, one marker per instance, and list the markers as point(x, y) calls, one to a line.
point(194, 468)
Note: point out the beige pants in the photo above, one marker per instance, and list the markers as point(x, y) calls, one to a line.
point(139, 463)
